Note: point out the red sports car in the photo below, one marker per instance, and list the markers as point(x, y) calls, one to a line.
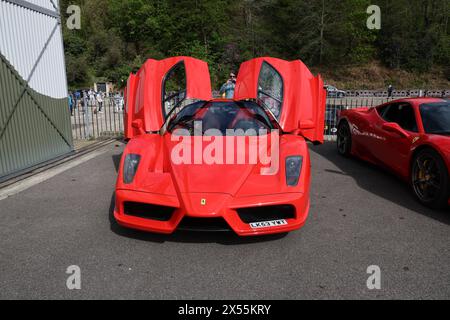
point(198, 163)
point(410, 137)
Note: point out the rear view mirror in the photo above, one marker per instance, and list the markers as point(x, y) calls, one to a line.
point(395, 128)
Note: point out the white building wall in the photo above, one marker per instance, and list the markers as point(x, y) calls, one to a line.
point(47, 4)
point(24, 33)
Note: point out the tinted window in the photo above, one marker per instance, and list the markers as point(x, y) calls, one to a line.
point(270, 89)
point(403, 115)
point(436, 117)
point(174, 88)
point(381, 110)
point(244, 115)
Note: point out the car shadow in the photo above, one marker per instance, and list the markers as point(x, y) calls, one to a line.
point(377, 181)
point(223, 238)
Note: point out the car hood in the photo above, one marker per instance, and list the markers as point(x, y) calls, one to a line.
point(210, 172)
point(191, 178)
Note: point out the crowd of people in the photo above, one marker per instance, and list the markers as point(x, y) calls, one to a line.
point(84, 99)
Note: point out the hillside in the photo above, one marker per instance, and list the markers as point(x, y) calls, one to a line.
point(375, 76)
point(117, 36)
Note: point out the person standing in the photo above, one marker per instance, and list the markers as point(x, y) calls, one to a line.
point(390, 91)
point(100, 101)
point(122, 102)
point(116, 102)
point(91, 94)
point(228, 88)
point(87, 114)
point(77, 97)
point(85, 100)
point(71, 103)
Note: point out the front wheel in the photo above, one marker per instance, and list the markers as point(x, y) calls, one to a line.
point(430, 179)
point(344, 139)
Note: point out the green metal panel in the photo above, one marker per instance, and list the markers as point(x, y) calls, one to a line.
point(33, 128)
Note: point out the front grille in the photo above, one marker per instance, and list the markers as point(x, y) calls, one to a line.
point(148, 211)
point(267, 213)
point(203, 224)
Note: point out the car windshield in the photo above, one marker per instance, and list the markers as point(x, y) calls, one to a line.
point(244, 117)
point(436, 117)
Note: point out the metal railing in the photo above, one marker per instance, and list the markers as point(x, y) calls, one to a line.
point(437, 93)
point(93, 120)
point(335, 105)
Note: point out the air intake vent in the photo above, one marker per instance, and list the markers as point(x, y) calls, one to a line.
point(148, 211)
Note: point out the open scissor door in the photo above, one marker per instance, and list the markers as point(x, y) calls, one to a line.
point(289, 91)
point(163, 85)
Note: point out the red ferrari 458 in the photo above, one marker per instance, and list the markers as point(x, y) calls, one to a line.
point(198, 163)
point(410, 137)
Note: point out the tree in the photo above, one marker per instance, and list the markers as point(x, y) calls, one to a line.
point(117, 36)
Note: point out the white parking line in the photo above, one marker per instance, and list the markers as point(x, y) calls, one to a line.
point(48, 174)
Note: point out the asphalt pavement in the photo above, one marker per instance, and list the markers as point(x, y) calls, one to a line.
point(360, 216)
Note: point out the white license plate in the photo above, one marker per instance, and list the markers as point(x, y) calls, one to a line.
point(268, 224)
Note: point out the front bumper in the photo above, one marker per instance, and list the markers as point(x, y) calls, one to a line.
point(227, 210)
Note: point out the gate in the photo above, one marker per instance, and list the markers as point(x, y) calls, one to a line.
point(34, 114)
point(93, 120)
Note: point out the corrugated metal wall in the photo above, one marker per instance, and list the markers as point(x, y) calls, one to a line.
point(34, 116)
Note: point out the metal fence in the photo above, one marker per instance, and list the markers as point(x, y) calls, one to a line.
point(399, 93)
point(334, 105)
point(90, 122)
point(93, 120)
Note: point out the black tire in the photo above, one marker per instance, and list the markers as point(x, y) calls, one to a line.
point(344, 139)
point(430, 179)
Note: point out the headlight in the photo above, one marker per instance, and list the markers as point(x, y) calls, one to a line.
point(293, 169)
point(130, 167)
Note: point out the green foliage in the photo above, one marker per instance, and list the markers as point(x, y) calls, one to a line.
point(415, 33)
point(117, 36)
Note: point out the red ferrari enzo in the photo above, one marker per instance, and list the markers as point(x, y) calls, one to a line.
point(410, 137)
point(198, 163)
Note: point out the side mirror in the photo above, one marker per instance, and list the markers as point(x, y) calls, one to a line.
point(138, 124)
point(395, 128)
